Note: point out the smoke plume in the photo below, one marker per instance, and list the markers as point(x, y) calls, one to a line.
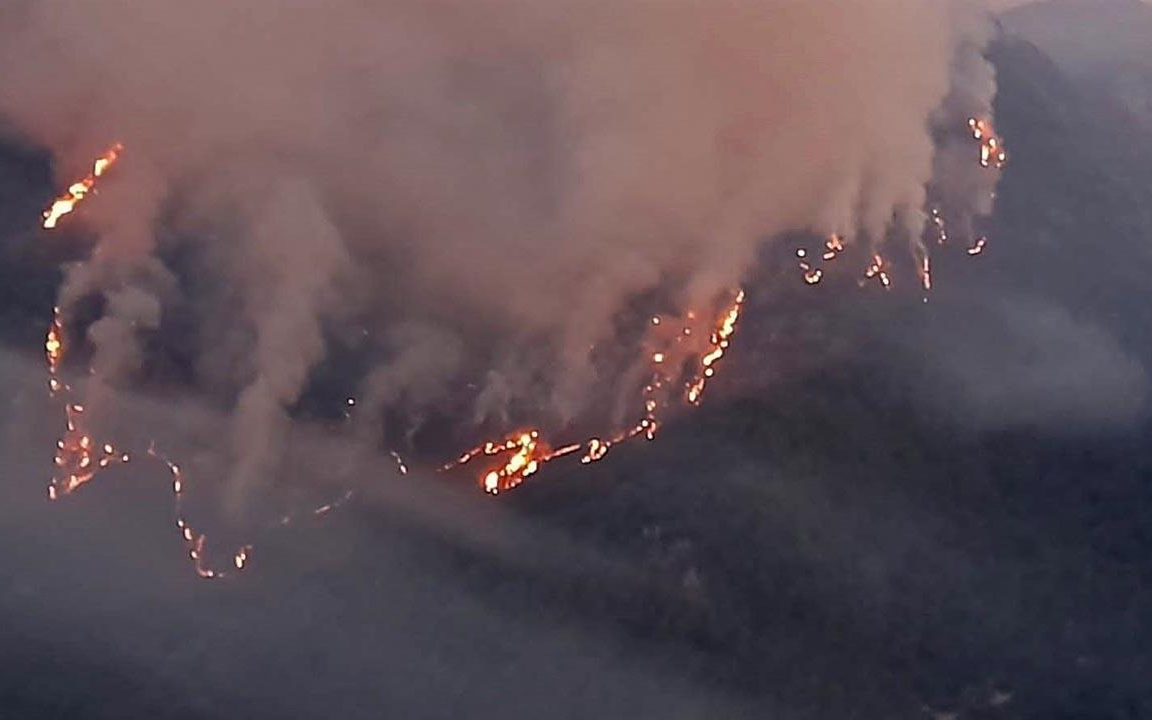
point(496, 181)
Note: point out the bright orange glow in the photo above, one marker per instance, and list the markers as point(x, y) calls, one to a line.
point(718, 342)
point(522, 454)
point(80, 189)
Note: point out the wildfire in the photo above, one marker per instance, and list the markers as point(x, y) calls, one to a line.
point(194, 541)
point(79, 190)
point(992, 155)
point(79, 459)
point(680, 371)
point(523, 453)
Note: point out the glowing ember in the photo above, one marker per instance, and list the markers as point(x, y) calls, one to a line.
point(992, 152)
point(992, 155)
point(833, 246)
point(194, 541)
point(78, 458)
point(54, 350)
point(328, 507)
point(79, 190)
point(940, 226)
point(401, 466)
point(878, 269)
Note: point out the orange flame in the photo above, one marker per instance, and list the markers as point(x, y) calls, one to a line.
point(523, 453)
point(526, 453)
point(78, 458)
point(718, 341)
point(878, 269)
point(79, 190)
point(992, 152)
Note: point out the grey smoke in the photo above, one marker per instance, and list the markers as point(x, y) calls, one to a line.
point(1019, 362)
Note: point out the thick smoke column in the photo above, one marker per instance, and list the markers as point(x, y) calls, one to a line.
point(290, 259)
point(507, 175)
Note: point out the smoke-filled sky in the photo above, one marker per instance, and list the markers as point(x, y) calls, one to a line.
point(485, 188)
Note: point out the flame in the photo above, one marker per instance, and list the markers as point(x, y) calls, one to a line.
point(523, 453)
point(401, 466)
point(79, 190)
point(940, 226)
point(515, 457)
point(878, 269)
point(78, 457)
point(718, 341)
point(812, 275)
point(992, 153)
point(194, 541)
point(54, 350)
